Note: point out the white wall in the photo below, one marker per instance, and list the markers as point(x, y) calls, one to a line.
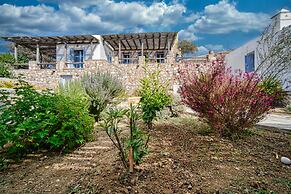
point(89, 50)
point(95, 51)
point(236, 58)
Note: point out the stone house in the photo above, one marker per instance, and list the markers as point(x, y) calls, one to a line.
point(58, 59)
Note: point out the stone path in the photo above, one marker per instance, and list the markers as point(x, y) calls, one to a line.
point(87, 156)
point(277, 121)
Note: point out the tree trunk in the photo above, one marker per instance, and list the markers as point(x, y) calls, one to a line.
point(130, 159)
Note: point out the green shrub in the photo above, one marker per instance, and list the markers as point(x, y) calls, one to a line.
point(6, 60)
point(73, 88)
point(132, 146)
point(101, 89)
point(273, 87)
point(154, 96)
point(32, 120)
point(137, 140)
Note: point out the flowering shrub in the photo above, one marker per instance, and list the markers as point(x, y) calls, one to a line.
point(228, 102)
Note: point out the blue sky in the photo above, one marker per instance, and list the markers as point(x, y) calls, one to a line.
point(211, 24)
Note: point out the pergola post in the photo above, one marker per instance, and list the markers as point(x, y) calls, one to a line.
point(119, 50)
point(15, 53)
point(65, 53)
point(37, 53)
point(168, 54)
point(141, 48)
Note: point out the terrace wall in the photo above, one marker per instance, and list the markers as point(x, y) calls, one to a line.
point(128, 74)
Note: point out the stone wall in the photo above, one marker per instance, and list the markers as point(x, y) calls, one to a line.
point(128, 74)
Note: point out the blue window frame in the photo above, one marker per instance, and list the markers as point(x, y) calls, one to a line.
point(78, 57)
point(126, 58)
point(250, 62)
point(160, 57)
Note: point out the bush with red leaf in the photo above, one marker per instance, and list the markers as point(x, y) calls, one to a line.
point(229, 102)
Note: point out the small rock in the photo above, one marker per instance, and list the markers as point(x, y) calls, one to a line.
point(165, 154)
point(190, 186)
point(124, 190)
point(285, 160)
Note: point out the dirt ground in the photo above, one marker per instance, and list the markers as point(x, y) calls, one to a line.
point(182, 159)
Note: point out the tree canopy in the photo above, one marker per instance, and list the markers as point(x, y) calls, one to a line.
point(187, 46)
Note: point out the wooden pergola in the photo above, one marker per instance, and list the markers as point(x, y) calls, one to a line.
point(47, 43)
point(141, 41)
point(132, 42)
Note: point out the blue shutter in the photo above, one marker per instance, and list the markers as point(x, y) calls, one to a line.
point(71, 59)
point(250, 62)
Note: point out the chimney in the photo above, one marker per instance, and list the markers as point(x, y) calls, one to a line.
point(281, 19)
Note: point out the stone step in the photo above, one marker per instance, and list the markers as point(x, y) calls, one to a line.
point(73, 166)
point(85, 152)
point(96, 148)
point(78, 158)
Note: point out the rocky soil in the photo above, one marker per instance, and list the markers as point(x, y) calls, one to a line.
point(183, 159)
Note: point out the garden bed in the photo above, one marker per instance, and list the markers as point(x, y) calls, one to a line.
point(183, 158)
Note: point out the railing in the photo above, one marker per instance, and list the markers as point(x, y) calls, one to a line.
point(21, 66)
point(155, 60)
point(128, 61)
point(48, 65)
point(136, 61)
point(75, 65)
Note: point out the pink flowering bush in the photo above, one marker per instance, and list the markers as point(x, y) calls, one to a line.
point(228, 102)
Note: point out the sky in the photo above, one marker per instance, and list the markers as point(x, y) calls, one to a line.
point(211, 24)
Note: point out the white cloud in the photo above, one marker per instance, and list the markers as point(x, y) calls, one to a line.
point(201, 50)
point(88, 16)
point(214, 47)
point(204, 49)
point(187, 35)
point(30, 19)
point(224, 18)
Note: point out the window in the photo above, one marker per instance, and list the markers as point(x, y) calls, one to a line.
point(250, 62)
point(160, 57)
point(78, 57)
point(126, 58)
point(109, 58)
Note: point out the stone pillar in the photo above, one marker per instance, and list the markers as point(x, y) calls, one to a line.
point(32, 65)
point(15, 53)
point(211, 56)
point(115, 60)
point(141, 60)
point(37, 53)
point(60, 65)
